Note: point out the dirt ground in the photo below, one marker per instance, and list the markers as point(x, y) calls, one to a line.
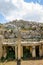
point(32, 62)
point(9, 63)
point(29, 62)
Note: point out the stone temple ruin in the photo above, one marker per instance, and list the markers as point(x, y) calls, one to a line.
point(16, 45)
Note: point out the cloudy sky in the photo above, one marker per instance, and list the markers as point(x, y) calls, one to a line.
point(31, 10)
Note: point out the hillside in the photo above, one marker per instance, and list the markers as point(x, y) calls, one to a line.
point(34, 30)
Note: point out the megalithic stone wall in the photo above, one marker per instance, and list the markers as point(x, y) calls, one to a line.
point(1, 50)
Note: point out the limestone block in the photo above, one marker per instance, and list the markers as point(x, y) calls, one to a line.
point(15, 52)
point(21, 51)
point(1, 50)
point(33, 52)
point(40, 51)
point(4, 52)
point(30, 49)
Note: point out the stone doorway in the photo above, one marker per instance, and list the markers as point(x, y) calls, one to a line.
point(10, 53)
point(37, 51)
point(26, 52)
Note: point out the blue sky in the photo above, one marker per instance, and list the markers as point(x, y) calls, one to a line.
point(35, 1)
point(2, 18)
point(31, 10)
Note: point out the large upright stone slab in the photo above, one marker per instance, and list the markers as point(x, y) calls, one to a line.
point(4, 52)
point(19, 45)
point(33, 52)
point(15, 52)
point(1, 51)
point(30, 49)
point(40, 51)
point(19, 52)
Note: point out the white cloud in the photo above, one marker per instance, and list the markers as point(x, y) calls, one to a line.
point(18, 9)
point(7, 0)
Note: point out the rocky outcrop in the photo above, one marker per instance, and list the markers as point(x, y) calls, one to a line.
point(35, 30)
